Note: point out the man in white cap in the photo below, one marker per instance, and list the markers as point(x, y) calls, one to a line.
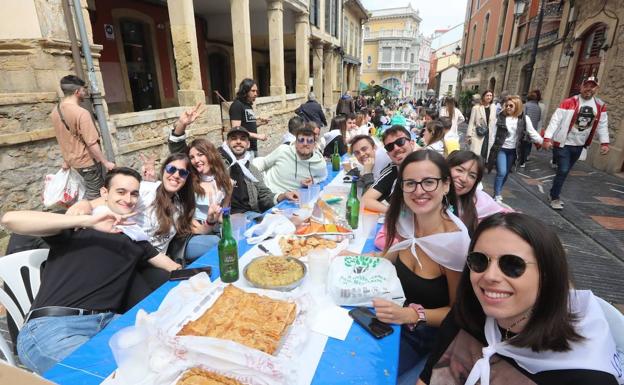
point(572, 128)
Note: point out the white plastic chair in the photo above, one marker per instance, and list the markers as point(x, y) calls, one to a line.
point(11, 267)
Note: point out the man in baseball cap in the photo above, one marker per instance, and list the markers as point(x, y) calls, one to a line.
point(250, 194)
point(572, 128)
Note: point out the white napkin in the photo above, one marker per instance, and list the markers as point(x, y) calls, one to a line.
point(271, 225)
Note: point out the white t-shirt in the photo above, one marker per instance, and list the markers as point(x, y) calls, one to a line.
point(512, 132)
point(147, 219)
point(584, 121)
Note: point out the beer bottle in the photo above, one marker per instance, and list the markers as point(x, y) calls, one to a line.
point(335, 159)
point(228, 250)
point(353, 205)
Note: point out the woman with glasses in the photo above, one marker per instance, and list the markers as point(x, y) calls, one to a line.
point(429, 255)
point(473, 204)
point(516, 321)
point(511, 126)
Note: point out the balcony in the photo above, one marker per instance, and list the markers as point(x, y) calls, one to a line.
point(396, 66)
point(390, 34)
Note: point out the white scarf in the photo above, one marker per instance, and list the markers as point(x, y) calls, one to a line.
point(133, 231)
point(241, 162)
point(596, 352)
point(446, 249)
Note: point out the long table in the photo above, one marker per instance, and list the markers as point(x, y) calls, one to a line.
point(360, 359)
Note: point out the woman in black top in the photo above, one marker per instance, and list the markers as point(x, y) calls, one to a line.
point(516, 321)
point(337, 134)
point(429, 256)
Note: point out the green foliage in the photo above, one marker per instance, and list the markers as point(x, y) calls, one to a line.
point(465, 100)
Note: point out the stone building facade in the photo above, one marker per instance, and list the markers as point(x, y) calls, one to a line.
point(152, 58)
point(578, 39)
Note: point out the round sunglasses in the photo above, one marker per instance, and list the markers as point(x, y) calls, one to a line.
point(171, 169)
point(511, 265)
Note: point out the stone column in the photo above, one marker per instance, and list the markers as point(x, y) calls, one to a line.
point(302, 31)
point(241, 36)
point(184, 37)
point(329, 75)
point(317, 69)
point(275, 11)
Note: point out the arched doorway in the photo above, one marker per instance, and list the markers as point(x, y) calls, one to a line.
point(589, 57)
point(219, 70)
point(492, 84)
point(139, 57)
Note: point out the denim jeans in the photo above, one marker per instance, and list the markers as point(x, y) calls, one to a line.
point(198, 245)
point(44, 341)
point(525, 151)
point(504, 160)
point(415, 346)
point(565, 156)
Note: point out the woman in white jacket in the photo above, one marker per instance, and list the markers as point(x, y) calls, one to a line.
point(483, 115)
point(451, 111)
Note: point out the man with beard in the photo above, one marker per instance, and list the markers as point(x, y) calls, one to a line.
point(77, 136)
point(398, 144)
point(250, 194)
point(243, 115)
point(290, 167)
point(370, 158)
point(572, 128)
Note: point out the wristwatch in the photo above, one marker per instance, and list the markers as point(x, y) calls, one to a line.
point(420, 311)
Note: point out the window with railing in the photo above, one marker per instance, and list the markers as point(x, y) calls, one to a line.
point(314, 13)
point(486, 24)
point(501, 26)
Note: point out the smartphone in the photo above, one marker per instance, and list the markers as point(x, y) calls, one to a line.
point(179, 275)
point(368, 321)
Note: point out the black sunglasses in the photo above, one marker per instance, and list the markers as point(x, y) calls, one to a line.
point(511, 265)
point(171, 169)
point(399, 142)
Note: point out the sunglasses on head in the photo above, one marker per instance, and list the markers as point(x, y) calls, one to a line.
point(304, 140)
point(511, 265)
point(399, 142)
point(171, 169)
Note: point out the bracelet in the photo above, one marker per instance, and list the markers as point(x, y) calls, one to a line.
point(422, 317)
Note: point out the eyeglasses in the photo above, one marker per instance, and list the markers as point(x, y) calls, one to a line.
point(511, 265)
point(427, 184)
point(399, 142)
point(171, 169)
point(304, 140)
point(510, 106)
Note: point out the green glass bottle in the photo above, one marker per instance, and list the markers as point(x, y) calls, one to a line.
point(353, 206)
point(335, 158)
point(228, 250)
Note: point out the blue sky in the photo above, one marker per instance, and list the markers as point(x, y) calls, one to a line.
point(435, 13)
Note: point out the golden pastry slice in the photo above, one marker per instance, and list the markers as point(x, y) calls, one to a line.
point(198, 376)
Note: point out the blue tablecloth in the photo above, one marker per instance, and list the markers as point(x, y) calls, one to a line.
point(360, 359)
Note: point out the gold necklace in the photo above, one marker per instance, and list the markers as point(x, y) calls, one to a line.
point(508, 330)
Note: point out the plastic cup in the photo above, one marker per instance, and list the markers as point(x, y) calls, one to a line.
point(239, 225)
point(318, 267)
point(315, 192)
point(129, 350)
point(304, 197)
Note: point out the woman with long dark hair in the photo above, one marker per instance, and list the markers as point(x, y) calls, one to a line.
point(451, 111)
point(429, 255)
point(516, 321)
point(337, 134)
point(482, 125)
point(511, 126)
point(472, 204)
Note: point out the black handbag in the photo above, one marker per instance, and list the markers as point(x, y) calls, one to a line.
point(481, 131)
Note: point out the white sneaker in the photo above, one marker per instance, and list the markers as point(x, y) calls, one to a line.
point(498, 199)
point(522, 165)
point(556, 204)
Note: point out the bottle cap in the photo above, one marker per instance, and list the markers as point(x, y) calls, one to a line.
point(226, 211)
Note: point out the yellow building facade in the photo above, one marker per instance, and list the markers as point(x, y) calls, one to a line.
point(391, 49)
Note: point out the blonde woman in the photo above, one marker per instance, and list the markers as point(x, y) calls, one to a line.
point(511, 125)
point(482, 125)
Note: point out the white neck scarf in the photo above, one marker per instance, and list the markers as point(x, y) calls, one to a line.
point(133, 231)
point(596, 352)
point(446, 249)
point(240, 162)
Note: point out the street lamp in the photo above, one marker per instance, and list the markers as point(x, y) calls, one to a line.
point(519, 6)
point(531, 64)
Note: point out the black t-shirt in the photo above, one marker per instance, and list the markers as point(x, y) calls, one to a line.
point(385, 183)
point(240, 193)
point(89, 269)
point(456, 352)
point(244, 112)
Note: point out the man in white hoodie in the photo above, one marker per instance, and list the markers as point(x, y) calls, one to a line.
point(290, 167)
